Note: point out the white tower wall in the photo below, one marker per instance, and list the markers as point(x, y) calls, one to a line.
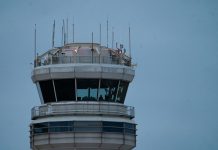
point(82, 88)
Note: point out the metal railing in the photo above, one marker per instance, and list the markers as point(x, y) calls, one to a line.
point(83, 109)
point(81, 59)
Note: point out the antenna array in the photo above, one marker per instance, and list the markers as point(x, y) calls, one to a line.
point(64, 36)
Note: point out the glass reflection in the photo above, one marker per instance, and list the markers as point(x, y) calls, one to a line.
point(108, 90)
point(83, 126)
point(87, 89)
point(84, 90)
point(122, 89)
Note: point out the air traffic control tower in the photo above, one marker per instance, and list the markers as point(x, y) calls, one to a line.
point(82, 89)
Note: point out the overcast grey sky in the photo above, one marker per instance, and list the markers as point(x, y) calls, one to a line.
point(174, 43)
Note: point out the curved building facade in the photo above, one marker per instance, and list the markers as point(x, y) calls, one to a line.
point(82, 89)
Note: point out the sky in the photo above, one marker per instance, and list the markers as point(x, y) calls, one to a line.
point(174, 45)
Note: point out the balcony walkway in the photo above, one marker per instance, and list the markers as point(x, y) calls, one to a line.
point(83, 108)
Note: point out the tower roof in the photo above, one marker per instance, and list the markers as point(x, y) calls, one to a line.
point(84, 53)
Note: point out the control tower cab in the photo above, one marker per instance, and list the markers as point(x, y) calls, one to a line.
point(82, 89)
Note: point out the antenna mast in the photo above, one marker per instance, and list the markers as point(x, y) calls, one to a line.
point(92, 47)
point(64, 33)
point(67, 32)
point(35, 46)
point(130, 44)
point(73, 32)
point(100, 34)
point(112, 37)
point(107, 33)
point(53, 34)
point(73, 29)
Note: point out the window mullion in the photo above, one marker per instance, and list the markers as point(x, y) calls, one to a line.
point(54, 90)
point(99, 86)
point(76, 88)
point(117, 91)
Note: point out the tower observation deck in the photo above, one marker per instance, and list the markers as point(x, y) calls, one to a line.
point(82, 89)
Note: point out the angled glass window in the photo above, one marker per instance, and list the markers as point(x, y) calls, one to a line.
point(108, 90)
point(87, 89)
point(130, 128)
point(40, 127)
point(122, 89)
point(64, 126)
point(47, 90)
point(65, 89)
point(112, 124)
point(87, 123)
point(61, 124)
point(83, 126)
point(88, 126)
point(112, 127)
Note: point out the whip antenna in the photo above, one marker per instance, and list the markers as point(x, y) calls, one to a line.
point(35, 46)
point(130, 43)
point(62, 35)
point(73, 29)
point(100, 34)
point(73, 32)
point(107, 33)
point(67, 32)
point(112, 37)
point(92, 47)
point(53, 34)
